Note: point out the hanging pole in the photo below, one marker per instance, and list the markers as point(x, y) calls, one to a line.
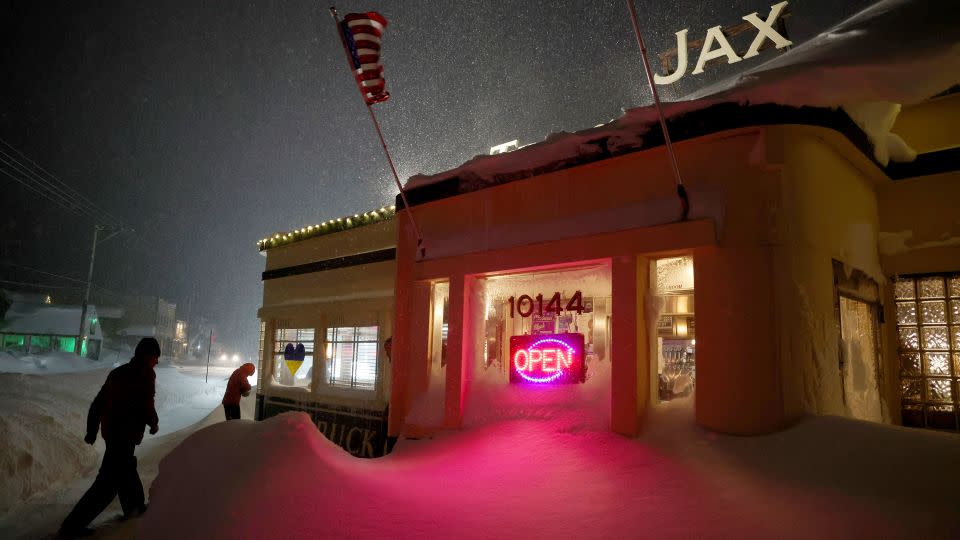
point(681, 190)
point(421, 249)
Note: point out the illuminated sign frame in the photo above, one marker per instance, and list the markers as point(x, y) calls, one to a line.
point(547, 359)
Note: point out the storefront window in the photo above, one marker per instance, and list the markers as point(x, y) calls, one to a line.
point(928, 326)
point(293, 356)
point(439, 324)
point(672, 280)
point(352, 357)
point(541, 344)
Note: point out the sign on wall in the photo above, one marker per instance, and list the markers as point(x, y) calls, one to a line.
point(293, 356)
point(361, 432)
point(547, 359)
point(716, 47)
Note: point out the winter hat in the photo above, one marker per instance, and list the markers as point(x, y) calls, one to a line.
point(148, 346)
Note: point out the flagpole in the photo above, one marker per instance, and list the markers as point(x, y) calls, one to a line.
point(681, 190)
point(421, 250)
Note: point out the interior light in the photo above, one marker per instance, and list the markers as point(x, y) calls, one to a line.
point(680, 326)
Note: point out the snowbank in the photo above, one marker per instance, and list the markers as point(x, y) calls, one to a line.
point(41, 432)
point(827, 477)
point(48, 362)
point(44, 420)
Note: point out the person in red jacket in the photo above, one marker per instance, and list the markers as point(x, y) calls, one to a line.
point(237, 387)
point(121, 411)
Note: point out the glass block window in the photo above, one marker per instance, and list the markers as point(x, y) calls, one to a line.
point(293, 356)
point(928, 326)
point(352, 357)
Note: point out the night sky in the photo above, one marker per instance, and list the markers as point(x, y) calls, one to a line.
point(206, 126)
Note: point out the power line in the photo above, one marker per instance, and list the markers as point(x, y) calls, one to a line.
point(51, 274)
point(63, 186)
point(32, 176)
point(51, 187)
point(43, 189)
point(38, 286)
point(32, 187)
point(32, 180)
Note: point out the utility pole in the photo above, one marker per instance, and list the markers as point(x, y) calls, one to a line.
point(81, 335)
point(209, 346)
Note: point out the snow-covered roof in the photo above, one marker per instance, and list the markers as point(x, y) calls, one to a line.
point(47, 320)
point(111, 312)
point(385, 213)
point(895, 52)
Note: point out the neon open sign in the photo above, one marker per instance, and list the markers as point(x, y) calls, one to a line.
point(547, 359)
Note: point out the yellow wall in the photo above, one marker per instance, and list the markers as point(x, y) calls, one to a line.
point(921, 225)
point(931, 125)
point(919, 220)
point(829, 212)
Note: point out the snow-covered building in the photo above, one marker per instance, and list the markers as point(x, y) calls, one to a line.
point(327, 311)
point(808, 277)
point(33, 328)
point(813, 268)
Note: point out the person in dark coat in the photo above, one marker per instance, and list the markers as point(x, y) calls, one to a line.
point(121, 411)
point(237, 387)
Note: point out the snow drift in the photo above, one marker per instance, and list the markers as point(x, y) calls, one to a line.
point(828, 477)
point(44, 421)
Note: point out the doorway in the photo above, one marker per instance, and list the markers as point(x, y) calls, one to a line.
point(859, 364)
point(857, 305)
point(672, 304)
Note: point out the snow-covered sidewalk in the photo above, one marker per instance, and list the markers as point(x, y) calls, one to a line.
point(47, 465)
point(826, 477)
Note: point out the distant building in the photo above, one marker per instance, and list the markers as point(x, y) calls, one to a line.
point(148, 316)
point(36, 328)
point(180, 343)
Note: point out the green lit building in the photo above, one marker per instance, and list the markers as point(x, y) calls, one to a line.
point(36, 329)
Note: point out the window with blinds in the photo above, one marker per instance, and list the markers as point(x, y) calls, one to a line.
point(352, 357)
point(289, 369)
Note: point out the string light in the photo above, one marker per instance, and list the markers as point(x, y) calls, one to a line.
point(327, 227)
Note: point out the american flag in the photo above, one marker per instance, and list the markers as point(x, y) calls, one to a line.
point(361, 34)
